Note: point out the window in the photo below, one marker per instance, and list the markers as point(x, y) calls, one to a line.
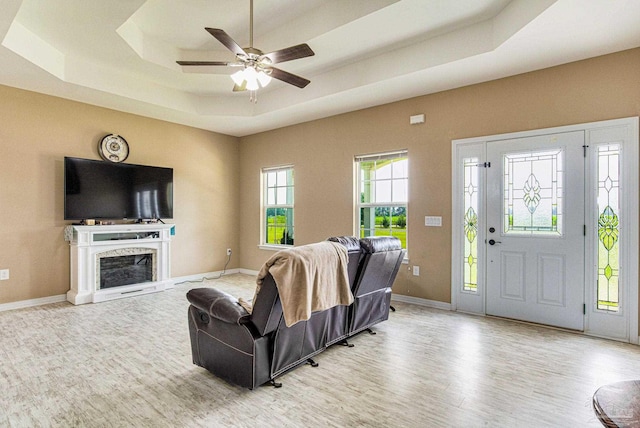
point(277, 205)
point(533, 193)
point(471, 209)
point(608, 227)
point(383, 189)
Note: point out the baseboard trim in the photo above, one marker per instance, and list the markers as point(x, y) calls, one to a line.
point(421, 302)
point(33, 302)
point(201, 277)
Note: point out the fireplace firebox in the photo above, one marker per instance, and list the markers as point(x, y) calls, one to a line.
point(124, 270)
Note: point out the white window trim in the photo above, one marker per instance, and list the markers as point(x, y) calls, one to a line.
point(358, 191)
point(263, 245)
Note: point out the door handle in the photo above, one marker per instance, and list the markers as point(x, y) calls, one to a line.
point(494, 242)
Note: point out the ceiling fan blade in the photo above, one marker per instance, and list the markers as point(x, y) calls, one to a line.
point(226, 40)
point(204, 63)
point(289, 78)
point(290, 53)
point(240, 88)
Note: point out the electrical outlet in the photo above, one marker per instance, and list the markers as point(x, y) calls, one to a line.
point(228, 251)
point(4, 274)
point(416, 271)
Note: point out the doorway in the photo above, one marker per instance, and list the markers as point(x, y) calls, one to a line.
point(545, 227)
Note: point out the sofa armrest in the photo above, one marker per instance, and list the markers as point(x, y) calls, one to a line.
point(219, 305)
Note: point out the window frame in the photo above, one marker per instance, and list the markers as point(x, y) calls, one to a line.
point(264, 205)
point(391, 155)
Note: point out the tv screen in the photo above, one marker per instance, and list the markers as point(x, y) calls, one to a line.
point(104, 190)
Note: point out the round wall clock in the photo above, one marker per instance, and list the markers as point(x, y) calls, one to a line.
point(113, 148)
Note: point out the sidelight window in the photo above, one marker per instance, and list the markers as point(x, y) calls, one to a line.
point(470, 255)
point(608, 226)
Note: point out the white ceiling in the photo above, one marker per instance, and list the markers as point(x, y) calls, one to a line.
point(121, 54)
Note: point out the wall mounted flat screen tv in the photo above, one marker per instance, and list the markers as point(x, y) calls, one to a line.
point(104, 190)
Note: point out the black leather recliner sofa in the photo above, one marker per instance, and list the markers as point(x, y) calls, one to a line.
point(252, 349)
point(381, 260)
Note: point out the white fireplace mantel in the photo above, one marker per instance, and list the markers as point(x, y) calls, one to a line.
point(89, 243)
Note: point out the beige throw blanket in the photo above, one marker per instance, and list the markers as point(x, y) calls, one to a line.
point(309, 278)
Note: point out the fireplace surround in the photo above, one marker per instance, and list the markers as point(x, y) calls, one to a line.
point(115, 261)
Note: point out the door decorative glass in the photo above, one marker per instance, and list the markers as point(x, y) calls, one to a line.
point(533, 193)
point(608, 226)
point(470, 257)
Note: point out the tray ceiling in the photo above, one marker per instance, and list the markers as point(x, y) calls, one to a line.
point(121, 54)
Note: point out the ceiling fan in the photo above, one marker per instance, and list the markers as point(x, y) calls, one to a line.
point(257, 67)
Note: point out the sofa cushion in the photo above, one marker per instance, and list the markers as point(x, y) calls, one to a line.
point(377, 244)
point(351, 242)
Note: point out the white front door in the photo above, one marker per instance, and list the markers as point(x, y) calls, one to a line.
point(535, 229)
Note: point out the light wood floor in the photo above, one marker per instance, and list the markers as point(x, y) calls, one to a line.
point(128, 363)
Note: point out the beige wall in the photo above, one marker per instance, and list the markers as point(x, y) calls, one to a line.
point(322, 152)
point(37, 131)
point(217, 194)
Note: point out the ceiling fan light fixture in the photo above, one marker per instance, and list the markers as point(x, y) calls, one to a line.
point(251, 76)
point(252, 85)
point(254, 79)
point(238, 77)
point(263, 78)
